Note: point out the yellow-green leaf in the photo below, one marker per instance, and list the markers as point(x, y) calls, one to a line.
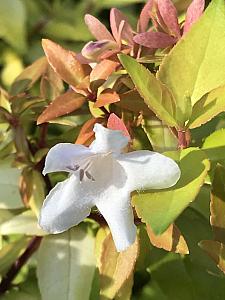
point(116, 268)
point(66, 265)
point(214, 145)
point(196, 65)
point(155, 94)
point(160, 208)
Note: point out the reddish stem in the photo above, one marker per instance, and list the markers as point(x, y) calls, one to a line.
point(18, 264)
point(183, 139)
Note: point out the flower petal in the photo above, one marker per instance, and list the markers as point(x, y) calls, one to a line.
point(149, 170)
point(65, 206)
point(118, 213)
point(63, 157)
point(107, 140)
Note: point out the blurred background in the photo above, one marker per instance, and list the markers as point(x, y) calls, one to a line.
point(23, 23)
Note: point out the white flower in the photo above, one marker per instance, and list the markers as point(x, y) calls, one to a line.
point(102, 176)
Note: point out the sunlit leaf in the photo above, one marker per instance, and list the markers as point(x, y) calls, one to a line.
point(65, 63)
point(108, 96)
point(161, 208)
point(160, 135)
point(207, 107)
point(195, 55)
point(214, 145)
point(86, 135)
point(9, 186)
point(171, 240)
point(115, 123)
point(155, 94)
point(32, 189)
point(62, 105)
point(116, 267)
point(66, 265)
point(24, 223)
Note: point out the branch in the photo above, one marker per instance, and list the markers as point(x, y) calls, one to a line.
point(18, 264)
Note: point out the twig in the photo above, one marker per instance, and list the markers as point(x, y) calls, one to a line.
point(183, 141)
point(43, 134)
point(18, 264)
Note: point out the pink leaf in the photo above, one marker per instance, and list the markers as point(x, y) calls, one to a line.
point(169, 15)
point(115, 123)
point(194, 12)
point(154, 39)
point(98, 30)
point(145, 16)
point(126, 33)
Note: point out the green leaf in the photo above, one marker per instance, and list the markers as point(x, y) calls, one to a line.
point(160, 135)
point(161, 208)
point(192, 65)
point(10, 252)
point(9, 186)
point(155, 94)
point(24, 223)
point(28, 290)
point(217, 206)
point(12, 23)
point(214, 145)
point(207, 107)
point(66, 266)
point(195, 227)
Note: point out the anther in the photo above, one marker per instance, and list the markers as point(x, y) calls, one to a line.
point(89, 176)
point(81, 175)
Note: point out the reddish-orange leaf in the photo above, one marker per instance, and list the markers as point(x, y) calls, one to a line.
point(171, 240)
point(65, 63)
point(108, 96)
point(87, 134)
point(62, 105)
point(103, 70)
point(118, 266)
point(116, 123)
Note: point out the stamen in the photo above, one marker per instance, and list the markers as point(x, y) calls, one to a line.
point(73, 168)
point(81, 175)
point(89, 176)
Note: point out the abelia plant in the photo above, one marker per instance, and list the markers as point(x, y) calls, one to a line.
point(113, 162)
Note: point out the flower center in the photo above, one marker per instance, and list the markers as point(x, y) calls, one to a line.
point(85, 166)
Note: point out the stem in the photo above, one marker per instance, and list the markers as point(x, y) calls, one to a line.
point(43, 134)
point(182, 139)
point(104, 110)
point(18, 264)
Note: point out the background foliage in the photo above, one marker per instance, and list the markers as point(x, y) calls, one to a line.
point(163, 269)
